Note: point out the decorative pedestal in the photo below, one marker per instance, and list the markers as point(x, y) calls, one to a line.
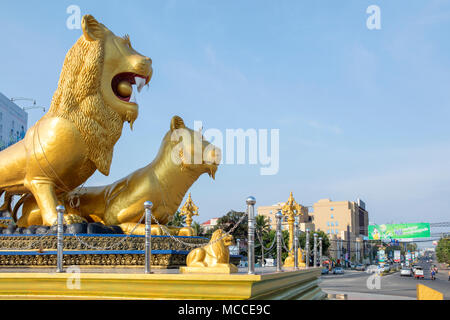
point(288, 285)
point(210, 270)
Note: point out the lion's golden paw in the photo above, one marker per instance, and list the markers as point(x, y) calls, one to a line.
point(73, 218)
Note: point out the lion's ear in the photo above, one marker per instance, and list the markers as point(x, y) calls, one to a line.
point(92, 29)
point(177, 123)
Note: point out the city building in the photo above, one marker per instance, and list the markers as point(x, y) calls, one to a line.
point(270, 212)
point(346, 223)
point(13, 122)
point(341, 218)
point(210, 224)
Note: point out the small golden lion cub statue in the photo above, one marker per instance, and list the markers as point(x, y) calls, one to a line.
point(212, 258)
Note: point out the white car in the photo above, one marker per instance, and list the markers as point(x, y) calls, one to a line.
point(406, 272)
point(372, 269)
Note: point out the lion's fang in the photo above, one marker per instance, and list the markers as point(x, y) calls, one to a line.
point(133, 95)
point(140, 82)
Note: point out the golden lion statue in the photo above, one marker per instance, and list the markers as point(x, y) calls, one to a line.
point(165, 182)
point(85, 120)
point(215, 255)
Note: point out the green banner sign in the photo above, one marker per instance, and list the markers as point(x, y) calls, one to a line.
point(399, 231)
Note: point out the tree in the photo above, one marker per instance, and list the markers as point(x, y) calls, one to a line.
point(262, 225)
point(443, 251)
point(198, 228)
point(325, 241)
point(177, 220)
point(229, 221)
point(268, 238)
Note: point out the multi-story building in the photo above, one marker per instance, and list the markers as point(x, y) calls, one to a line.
point(270, 212)
point(342, 218)
point(13, 122)
point(346, 224)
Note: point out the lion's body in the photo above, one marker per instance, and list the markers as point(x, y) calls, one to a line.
point(214, 254)
point(77, 135)
point(163, 182)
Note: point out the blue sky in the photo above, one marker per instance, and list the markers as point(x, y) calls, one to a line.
point(362, 113)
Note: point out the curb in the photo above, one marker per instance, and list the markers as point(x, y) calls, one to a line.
point(337, 296)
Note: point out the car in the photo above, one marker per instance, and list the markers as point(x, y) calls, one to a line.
point(413, 267)
point(338, 270)
point(325, 271)
point(387, 267)
point(353, 266)
point(360, 267)
point(418, 273)
point(406, 272)
point(372, 268)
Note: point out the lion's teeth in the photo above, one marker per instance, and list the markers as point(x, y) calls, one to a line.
point(140, 82)
point(133, 94)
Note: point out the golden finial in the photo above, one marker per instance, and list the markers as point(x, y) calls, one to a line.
point(189, 209)
point(291, 208)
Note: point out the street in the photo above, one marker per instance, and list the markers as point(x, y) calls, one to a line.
point(392, 286)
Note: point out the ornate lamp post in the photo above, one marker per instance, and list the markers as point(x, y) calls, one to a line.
point(189, 210)
point(291, 209)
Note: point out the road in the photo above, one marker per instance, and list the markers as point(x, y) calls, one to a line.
point(392, 286)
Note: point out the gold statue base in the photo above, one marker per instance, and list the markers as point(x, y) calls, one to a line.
point(210, 270)
point(289, 261)
point(134, 284)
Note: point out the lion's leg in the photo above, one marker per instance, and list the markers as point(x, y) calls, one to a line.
point(30, 218)
point(44, 193)
point(128, 227)
point(196, 258)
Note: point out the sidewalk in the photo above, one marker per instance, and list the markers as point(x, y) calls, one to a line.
point(366, 296)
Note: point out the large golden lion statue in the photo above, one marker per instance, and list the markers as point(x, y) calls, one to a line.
point(165, 182)
point(77, 136)
point(215, 254)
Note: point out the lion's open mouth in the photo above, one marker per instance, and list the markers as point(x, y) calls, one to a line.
point(124, 86)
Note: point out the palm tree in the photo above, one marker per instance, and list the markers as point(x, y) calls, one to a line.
point(177, 220)
point(198, 228)
point(262, 225)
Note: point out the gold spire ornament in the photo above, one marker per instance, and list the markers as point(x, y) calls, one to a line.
point(188, 210)
point(291, 209)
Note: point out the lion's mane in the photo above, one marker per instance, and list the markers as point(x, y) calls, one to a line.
point(79, 100)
